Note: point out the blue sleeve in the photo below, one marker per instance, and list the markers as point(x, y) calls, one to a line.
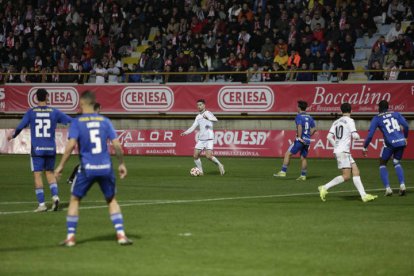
point(111, 131)
point(63, 118)
point(372, 128)
point(74, 130)
point(402, 121)
point(23, 123)
point(298, 120)
point(312, 125)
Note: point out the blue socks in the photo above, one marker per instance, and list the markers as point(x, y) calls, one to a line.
point(40, 195)
point(400, 173)
point(384, 176)
point(303, 173)
point(71, 224)
point(284, 168)
point(118, 223)
point(53, 189)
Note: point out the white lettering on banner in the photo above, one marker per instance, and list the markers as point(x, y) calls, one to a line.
point(324, 144)
point(257, 138)
point(357, 97)
point(412, 90)
point(2, 94)
point(147, 98)
point(64, 98)
point(246, 98)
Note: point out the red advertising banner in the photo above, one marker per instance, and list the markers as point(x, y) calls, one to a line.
point(240, 143)
point(258, 99)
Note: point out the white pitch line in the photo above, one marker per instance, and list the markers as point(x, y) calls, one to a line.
point(86, 201)
point(202, 200)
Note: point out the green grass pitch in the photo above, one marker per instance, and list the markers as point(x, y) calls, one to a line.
point(245, 223)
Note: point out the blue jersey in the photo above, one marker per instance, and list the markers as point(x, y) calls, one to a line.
point(92, 131)
point(307, 122)
point(390, 125)
point(43, 121)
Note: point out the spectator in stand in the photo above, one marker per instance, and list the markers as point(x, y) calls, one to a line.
point(393, 33)
point(390, 56)
point(406, 75)
point(277, 76)
point(304, 76)
point(254, 73)
point(378, 74)
point(391, 71)
point(282, 59)
point(376, 56)
point(100, 73)
point(293, 59)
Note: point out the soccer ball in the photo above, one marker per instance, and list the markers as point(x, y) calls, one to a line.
point(195, 171)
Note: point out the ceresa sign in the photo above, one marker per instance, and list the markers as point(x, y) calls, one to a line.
point(147, 98)
point(246, 98)
point(63, 98)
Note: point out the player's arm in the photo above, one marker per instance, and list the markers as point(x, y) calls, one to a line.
point(373, 126)
point(191, 129)
point(122, 170)
point(209, 116)
point(299, 131)
point(70, 146)
point(331, 135)
point(352, 129)
point(120, 156)
point(63, 118)
point(403, 123)
point(23, 123)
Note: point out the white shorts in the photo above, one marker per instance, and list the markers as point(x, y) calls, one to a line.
point(204, 145)
point(344, 160)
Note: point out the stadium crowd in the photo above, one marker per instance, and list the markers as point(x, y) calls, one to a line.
point(258, 40)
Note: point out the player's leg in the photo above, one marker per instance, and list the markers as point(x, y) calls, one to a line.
point(293, 149)
point(51, 179)
point(386, 154)
point(197, 152)
point(356, 178)
point(304, 163)
point(345, 166)
point(107, 185)
point(398, 154)
point(37, 165)
point(212, 158)
point(73, 174)
point(80, 187)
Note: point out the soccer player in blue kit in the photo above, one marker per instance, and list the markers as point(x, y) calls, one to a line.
point(43, 121)
point(91, 132)
point(305, 128)
point(395, 141)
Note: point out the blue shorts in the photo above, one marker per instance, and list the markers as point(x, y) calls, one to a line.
point(82, 184)
point(299, 147)
point(42, 163)
point(387, 152)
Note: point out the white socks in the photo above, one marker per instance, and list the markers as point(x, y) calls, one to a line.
point(198, 164)
point(358, 185)
point(215, 161)
point(337, 180)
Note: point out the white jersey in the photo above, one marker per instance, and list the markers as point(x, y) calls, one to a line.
point(343, 130)
point(204, 121)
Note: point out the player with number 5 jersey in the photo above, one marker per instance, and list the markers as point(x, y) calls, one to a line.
point(43, 121)
point(395, 129)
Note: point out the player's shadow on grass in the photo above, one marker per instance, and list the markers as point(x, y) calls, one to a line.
point(351, 197)
point(106, 238)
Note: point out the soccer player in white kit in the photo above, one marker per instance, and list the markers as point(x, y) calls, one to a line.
point(340, 136)
point(205, 140)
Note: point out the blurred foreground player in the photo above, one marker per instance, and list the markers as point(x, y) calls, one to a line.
point(91, 132)
point(97, 109)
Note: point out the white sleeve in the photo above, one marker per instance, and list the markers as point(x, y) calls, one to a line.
point(210, 116)
point(331, 138)
point(332, 129)
point(353, 130)
point(192, 128)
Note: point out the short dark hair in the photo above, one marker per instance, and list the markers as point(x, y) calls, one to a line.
point(89, 97)
point(96, 106)
point(41, 95)
point(302, 105)
point(346, 108)
point(383, 106)
point(201, 101)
